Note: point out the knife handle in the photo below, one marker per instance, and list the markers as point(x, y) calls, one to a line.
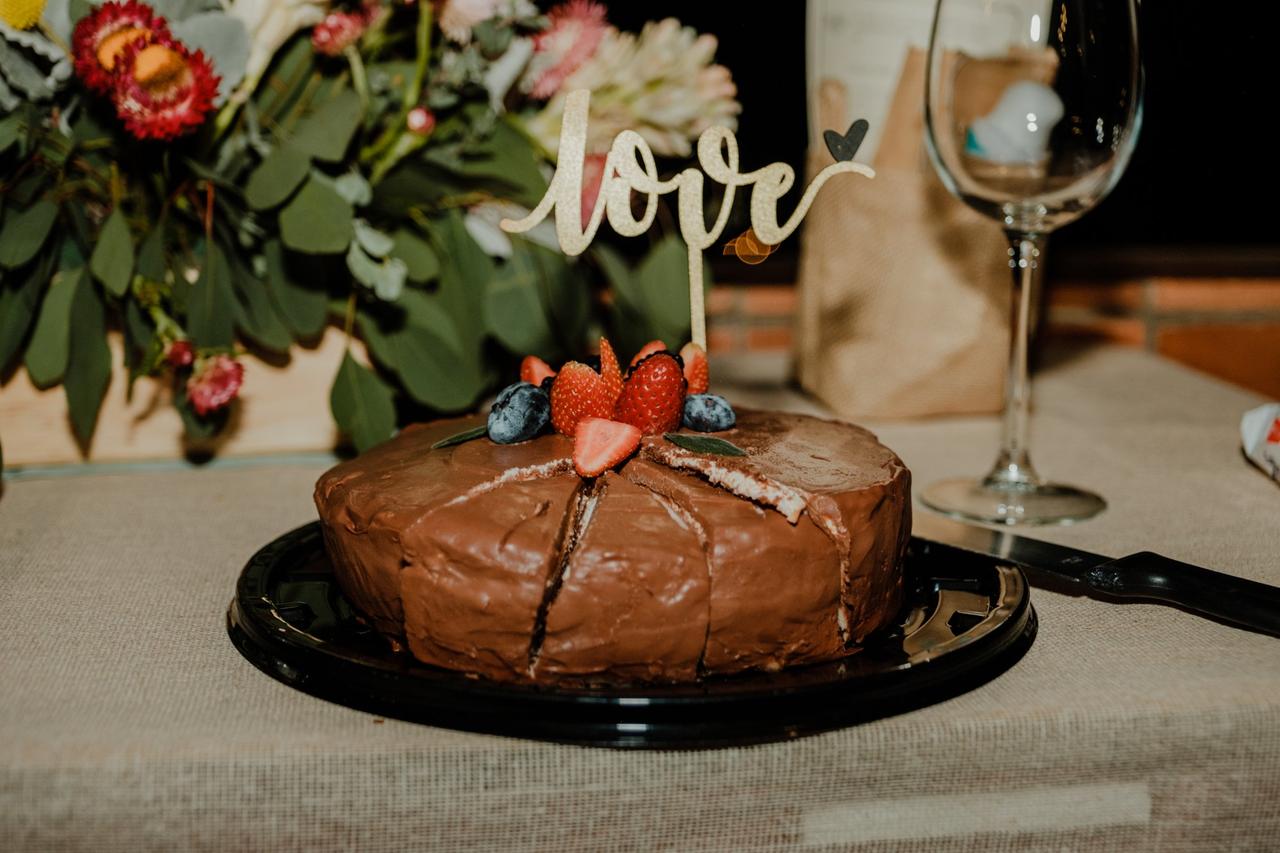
point(1151, 576)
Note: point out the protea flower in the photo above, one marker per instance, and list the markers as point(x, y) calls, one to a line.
point(214, 384)
point(162, 89)
point(102, 35)
point(575, 32)
point(338, 31)
point(660, 83)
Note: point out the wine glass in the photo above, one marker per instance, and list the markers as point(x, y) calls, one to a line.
point(1032, 108)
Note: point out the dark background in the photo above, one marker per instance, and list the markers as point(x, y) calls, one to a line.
point(1199, 196)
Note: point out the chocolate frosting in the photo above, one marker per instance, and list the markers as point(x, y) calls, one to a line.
point(499, 560)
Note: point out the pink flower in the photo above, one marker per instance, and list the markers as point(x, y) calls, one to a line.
point(180, 354)
point(575, 32)
point(215, 383)
point(592, 177)
point(338, 31)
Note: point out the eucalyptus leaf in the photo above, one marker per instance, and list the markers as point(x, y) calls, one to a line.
point(112, 259)
point(354, 188)
point(151, 262)
point(276, 177)
point(705, 444)
point(326, 132)
point(420, 259)
point(384, 277)
point(223, 39)
point(25, 231)
point(88, 370)
point(304, 307)
point(362, 404)
point(317, 220)
point(10, 131)
point(416, 339)
point(256, 315)
point(372, 240)
point(18, 301)
point(211, 304)
point(47, 351)
point(516, 310)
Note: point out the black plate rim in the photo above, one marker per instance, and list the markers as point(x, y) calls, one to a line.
point(734, 710)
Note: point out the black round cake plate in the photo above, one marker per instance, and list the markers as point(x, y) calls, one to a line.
point(965, 621)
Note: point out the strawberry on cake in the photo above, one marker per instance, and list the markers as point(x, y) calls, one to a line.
point(597, 527)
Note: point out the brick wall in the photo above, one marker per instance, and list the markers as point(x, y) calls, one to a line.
point(1229, 328)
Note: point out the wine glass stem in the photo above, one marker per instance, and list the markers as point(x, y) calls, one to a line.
point(1013, 468)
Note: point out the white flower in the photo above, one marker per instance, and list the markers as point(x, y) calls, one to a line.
point(270, 23)
point(660, 84)
point(457, 17)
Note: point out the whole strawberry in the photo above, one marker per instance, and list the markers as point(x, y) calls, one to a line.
point(653, 396)
point(578, 391)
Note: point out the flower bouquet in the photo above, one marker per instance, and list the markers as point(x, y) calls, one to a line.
point(215, 178)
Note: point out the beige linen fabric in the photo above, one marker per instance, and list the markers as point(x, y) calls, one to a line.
point(128, 721)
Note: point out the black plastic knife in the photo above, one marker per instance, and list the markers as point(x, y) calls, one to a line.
point(1144, 576)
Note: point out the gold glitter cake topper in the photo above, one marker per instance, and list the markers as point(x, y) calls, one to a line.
point(624, 174)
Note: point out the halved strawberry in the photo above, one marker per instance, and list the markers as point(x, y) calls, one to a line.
point(646, 351)
point(579, 392)
point(609, 370)
point(599, 444)
point(533, 370)
point(653, 396)
point(695, 368)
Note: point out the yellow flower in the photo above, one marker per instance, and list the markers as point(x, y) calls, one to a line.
point(21, 14)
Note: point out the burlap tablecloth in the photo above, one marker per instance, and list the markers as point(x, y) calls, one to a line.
point(128, 721)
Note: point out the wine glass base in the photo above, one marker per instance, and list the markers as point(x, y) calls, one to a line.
point(974, 500)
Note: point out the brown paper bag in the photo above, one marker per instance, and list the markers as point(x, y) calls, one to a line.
point(904, 293)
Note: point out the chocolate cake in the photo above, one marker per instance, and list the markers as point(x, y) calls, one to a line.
point(499, 560)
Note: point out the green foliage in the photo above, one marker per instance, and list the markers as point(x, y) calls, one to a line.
point(276, 177)
point(88, 361)
point(303, 306)
point(49, 348)
point(19, 295)
point(326, 133)
point(362, 404)
point(112, 259)
point(318, 220)
point(419, 258)
point(651, 300)
point(25, 231)
point(537, 303)
point(211, 306)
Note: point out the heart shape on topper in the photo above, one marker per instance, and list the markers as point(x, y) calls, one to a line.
point(845, 147)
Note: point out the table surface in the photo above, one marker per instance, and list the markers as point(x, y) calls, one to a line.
point(128, 721)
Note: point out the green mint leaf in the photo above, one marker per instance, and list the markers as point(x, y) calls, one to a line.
point(462, 437)
point(705, 444)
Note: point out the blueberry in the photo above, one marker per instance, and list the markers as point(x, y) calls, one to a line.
point(708, 413)
point(547, 383)
point(520, 412)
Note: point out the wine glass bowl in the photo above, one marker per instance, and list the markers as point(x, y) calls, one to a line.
point(1032, 109)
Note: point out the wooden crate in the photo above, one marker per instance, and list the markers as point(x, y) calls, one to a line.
point(283, 408)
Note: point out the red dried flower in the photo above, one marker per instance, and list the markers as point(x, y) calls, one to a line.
point(180, 354)
point(162, 89)
point(421, 121)
point(575, 32)
point(215, 383)
point(101, 36)
point(338, 31)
